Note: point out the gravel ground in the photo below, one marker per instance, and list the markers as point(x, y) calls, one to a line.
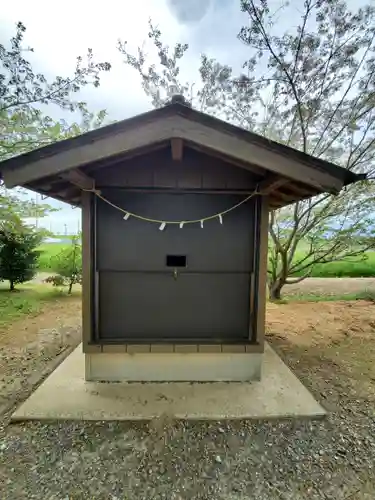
point(331, 459)
point(326, 459)
point(330, 286)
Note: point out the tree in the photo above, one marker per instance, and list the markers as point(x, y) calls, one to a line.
point(67, 265)
point(14, 206)
point(218, 92)
point(312, 88)
point(24, 125)
point(321, 84)
point(18, 252)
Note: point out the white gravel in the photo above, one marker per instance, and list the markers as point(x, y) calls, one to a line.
point(331, 459)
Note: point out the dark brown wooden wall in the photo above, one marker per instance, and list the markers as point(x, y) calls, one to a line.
point(135, 245)
point(158, 170)
point(214, 297)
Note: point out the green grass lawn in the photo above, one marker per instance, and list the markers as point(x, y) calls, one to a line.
point(26, 300)
point(364, 295)
point(353, 268)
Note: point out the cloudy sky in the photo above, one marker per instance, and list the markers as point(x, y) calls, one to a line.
point(59, 35)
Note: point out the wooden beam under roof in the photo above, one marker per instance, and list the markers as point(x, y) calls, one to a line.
point(271, 183)
point(79, 179)
point(229, 159)
point(177, 148)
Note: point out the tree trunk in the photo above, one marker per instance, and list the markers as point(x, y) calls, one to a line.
point(70, 287)
point(275, 290)
point(11, 285)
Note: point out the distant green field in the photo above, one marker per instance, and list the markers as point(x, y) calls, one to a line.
point(49, 250)
point(352, 269)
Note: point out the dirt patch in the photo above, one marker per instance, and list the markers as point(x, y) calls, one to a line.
point(329, 345)
point(321, 323)
point(336, 338)
point(30, 345)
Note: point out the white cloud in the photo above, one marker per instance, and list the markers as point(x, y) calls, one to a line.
point(59, 36)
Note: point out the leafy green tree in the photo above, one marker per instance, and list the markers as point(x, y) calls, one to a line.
point(24, 124)
point(14, 207)
point(67, 265)
point(18, 252)
point(311, 86)
point(321, 82)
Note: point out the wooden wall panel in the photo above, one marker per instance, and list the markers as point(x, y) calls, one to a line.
point(159, 170)
point(87, 268)
point(260, 285)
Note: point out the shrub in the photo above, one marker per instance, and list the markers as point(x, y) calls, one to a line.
point(67, 265)
point(18, 254)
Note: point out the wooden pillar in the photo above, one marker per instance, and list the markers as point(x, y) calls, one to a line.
point(260, 271)
point(87, 270)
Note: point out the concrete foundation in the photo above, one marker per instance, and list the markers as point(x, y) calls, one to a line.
point(173, 367)
point(66, 395)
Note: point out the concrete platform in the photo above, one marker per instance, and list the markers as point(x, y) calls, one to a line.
point(151, 366)
point(66, 395)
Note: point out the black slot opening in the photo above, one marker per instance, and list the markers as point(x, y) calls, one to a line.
point(176, 261)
